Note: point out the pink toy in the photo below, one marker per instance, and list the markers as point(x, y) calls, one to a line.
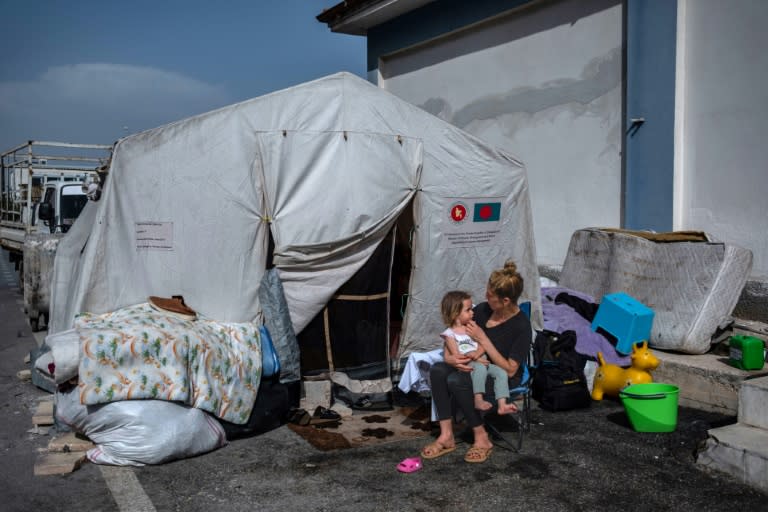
point(611, 378)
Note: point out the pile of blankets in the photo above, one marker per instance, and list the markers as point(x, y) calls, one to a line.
point(139, 352)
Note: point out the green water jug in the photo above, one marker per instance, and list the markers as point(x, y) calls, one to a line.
point(746, 352)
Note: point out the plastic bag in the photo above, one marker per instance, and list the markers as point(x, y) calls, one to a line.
point(65, 350)
point(139, 432)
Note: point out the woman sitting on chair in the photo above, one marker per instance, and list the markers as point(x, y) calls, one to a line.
point(504, 332)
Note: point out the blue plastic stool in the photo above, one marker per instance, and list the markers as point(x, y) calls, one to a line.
point(625, 318)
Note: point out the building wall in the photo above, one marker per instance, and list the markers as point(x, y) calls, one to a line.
point(722, 104)
point(544, 84)
point(543, 80)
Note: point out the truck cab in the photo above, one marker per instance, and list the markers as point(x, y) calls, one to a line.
point(43, 188)
point(61, 204)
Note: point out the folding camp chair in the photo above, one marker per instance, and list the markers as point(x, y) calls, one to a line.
point(510, 428)
point(520, 421)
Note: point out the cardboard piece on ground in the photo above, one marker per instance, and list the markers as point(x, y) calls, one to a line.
point(24, 374)
point(316, 393)
point(58, 463)
point(70, 442)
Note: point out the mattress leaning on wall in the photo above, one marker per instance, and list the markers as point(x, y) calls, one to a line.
point(691, 281)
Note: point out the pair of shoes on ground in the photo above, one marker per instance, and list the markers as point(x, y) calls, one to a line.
point(298, 416)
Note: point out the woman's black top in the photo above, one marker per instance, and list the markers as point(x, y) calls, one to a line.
point(511, 338)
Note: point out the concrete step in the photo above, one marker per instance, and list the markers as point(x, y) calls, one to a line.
point(740, 451)
point(706, 381)
point(753, 403)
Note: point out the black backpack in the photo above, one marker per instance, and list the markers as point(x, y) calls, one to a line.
point(559, 383)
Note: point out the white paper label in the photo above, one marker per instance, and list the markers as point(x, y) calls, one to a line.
point(156, 236)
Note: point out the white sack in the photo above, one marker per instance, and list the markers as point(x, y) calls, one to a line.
point(139, 432)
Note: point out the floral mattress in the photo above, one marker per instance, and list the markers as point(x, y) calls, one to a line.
point(141, 353)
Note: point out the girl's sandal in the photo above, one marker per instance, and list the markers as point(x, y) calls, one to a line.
point(410, 465)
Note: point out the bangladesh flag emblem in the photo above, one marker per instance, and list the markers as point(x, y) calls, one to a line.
point(487, 212)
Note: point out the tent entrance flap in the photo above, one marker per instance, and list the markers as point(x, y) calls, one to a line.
point(352, 331)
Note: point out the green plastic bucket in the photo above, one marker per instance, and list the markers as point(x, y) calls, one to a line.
point(651, 407)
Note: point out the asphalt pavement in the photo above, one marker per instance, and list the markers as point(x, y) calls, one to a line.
point(587, 459)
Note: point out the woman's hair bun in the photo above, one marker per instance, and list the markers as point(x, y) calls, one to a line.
point(510, 267)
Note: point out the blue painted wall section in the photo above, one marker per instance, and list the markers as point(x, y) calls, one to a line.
point(431, 20)
point(651, 28)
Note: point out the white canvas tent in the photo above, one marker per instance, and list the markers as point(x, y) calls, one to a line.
point(327, 167)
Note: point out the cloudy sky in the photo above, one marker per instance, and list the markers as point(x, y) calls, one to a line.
point(93, 71)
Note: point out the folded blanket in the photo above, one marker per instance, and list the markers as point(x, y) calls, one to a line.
point(138, 353)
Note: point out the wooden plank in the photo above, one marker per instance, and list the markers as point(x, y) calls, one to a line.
point(58, 463)
point(44, 413)
point(70, 442)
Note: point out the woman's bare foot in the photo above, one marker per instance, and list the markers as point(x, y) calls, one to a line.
point(505, 408)
point(482, 404)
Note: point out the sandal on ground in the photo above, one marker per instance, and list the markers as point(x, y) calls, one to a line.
point(366, 404)
point(435, 450)
point(410, 465)
point(299, 417)
point(477, 454)
point(324, 415)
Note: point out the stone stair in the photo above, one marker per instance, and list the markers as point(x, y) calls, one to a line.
point(741, 449)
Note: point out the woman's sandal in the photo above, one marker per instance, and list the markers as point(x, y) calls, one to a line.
point(435, 450)
point(410, 465)
point(477, 454)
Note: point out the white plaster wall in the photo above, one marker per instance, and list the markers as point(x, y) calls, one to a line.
point(546, 87)
point(723, 169)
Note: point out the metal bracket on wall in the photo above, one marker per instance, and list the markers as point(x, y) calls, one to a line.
point(636, 123)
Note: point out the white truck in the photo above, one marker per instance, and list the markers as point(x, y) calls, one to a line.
point(43, 188)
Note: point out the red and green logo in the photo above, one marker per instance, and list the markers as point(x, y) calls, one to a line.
point(458, 213)
point(487, 212)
